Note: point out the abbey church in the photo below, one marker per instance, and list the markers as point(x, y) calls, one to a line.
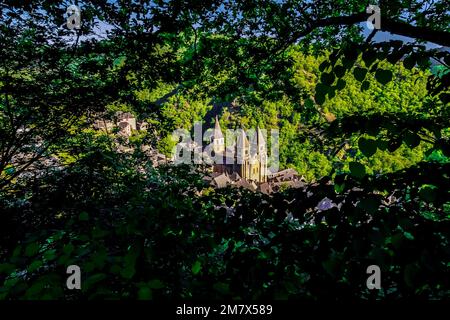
point(246, 158)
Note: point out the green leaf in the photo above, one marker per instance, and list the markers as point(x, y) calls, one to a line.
point(383, 76)
point(322, 88)
point(221, 287)
point(324, 65)
point(369, 204)
point(365, 86)
point(411, 139)
point(320, 98)
point(347, 63)
point(327, 78)
point(84, 216)
point(36, 288)
point(409, 62)
point(68, 248)
point(128, 272)
point(332, 93)
point(34, 266)
point(156, 284)
point(428, 193)
point(395, 56)
point(196, 267)
point(332, 265)
point(382, 144)
point(339, 71)
point(360, 73)
point(374, 67)
point(423, 62)
point(32, 249)
point(145, 293)
point(341, 84)
point(357, 170)
point(93, 280)
point(408, 235)
point(367, 146)
point(50, 254)
point(397, 240)
point(394, 144)
point(17, 251)
point(369, 57)
point(7, 268)
point(410, 274)
point(321, 91)
point(339, 188)
point(309, 104)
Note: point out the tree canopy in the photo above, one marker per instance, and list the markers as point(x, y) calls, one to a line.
point(363, 115)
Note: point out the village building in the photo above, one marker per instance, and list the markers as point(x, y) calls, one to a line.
point(241, 165)
point(126, 123)
point(126, 117)
point(104, 125)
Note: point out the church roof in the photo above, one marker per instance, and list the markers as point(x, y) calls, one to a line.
point(124, 115)
point(242, 140)
point(222, 181)
point(265, 188)
point(243, 183)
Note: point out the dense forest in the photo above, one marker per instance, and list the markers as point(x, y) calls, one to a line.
point(363, 116)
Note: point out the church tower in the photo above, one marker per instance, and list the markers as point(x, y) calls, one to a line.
point(217, 138)
point(242, 154)
point(262, 155)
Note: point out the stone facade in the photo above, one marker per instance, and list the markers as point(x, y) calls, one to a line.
point(244, 165)
point(125, 122)
point(246, 158)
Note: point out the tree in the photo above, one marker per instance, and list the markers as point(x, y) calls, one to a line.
point(143, 232)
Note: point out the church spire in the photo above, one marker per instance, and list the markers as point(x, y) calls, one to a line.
point(217, 138)
point(217, 134)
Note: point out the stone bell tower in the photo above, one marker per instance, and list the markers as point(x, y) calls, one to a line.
point(217, 138)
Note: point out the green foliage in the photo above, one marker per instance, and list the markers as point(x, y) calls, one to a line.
point(167, 145)
point(177, 240)
point(367, 123)
point(367, 146)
